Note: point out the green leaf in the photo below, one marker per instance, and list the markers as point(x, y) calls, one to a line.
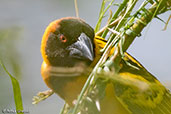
point(16, 91)
point(100, 16)
point(103, 10)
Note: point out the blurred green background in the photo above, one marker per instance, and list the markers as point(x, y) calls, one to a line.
point(22, 24)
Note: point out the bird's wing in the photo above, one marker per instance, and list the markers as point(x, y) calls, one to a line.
point(137, 89)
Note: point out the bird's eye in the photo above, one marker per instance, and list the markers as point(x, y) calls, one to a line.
point(63, 38)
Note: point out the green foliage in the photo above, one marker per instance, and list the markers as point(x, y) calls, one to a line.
point(9, 38)
point(16, 91)
point(103, 10)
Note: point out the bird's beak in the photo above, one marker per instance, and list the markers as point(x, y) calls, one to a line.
point(82, 49)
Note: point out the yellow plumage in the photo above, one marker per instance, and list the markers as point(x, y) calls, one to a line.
point(134, 89)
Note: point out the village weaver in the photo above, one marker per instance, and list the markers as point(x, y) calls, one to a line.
point(70, 50)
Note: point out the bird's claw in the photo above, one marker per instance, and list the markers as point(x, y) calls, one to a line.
point(42, 96)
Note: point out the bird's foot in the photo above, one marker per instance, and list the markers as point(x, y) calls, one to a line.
point(42, 96)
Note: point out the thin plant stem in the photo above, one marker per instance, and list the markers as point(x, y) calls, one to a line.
point(121, 7)
point(76, 8)
point(121, 22)
point(102, 12)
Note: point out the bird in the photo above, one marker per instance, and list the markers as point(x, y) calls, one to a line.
point(70, 50)
point(67, 51)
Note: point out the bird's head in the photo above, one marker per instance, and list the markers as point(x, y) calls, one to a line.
point(67, 42)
